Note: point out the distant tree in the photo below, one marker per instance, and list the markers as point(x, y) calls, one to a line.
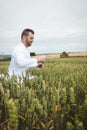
point(32, 54)
point(64, 55)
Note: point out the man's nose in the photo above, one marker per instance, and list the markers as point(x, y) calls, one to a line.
point(32, 40)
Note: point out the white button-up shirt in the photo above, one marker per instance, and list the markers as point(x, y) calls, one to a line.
point(20, 61)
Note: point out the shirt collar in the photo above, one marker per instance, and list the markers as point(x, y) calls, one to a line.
point(22, 44)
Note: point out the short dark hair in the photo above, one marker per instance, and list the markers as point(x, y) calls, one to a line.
point(26, 32)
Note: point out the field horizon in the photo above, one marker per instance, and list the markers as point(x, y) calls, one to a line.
point(70, 54)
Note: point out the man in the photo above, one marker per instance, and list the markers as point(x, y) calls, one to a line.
point(21, 59)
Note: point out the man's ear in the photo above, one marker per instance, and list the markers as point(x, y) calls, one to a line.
point(24, 36)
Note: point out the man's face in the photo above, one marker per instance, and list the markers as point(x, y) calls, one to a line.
point(29, 39)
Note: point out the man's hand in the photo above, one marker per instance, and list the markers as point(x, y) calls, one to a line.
point(41, 59)
point(40, 65)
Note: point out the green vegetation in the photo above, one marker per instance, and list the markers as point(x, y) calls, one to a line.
point(32, 54)
point(64, 55)
point(55, 100)
point(3, 66)
point(5, 57)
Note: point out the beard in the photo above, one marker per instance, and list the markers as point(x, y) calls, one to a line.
point(29, 43)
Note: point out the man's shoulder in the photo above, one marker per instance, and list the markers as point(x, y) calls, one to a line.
point(17, 48)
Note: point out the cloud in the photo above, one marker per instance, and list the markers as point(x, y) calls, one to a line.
point(11, 33)
point(51, 19)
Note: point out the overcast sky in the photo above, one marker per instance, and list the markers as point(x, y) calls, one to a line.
point(59, 25)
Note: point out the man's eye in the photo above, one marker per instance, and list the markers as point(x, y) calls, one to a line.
point(32, 38)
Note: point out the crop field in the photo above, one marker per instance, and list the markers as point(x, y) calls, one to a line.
point(56, 99)
point(3, 66)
